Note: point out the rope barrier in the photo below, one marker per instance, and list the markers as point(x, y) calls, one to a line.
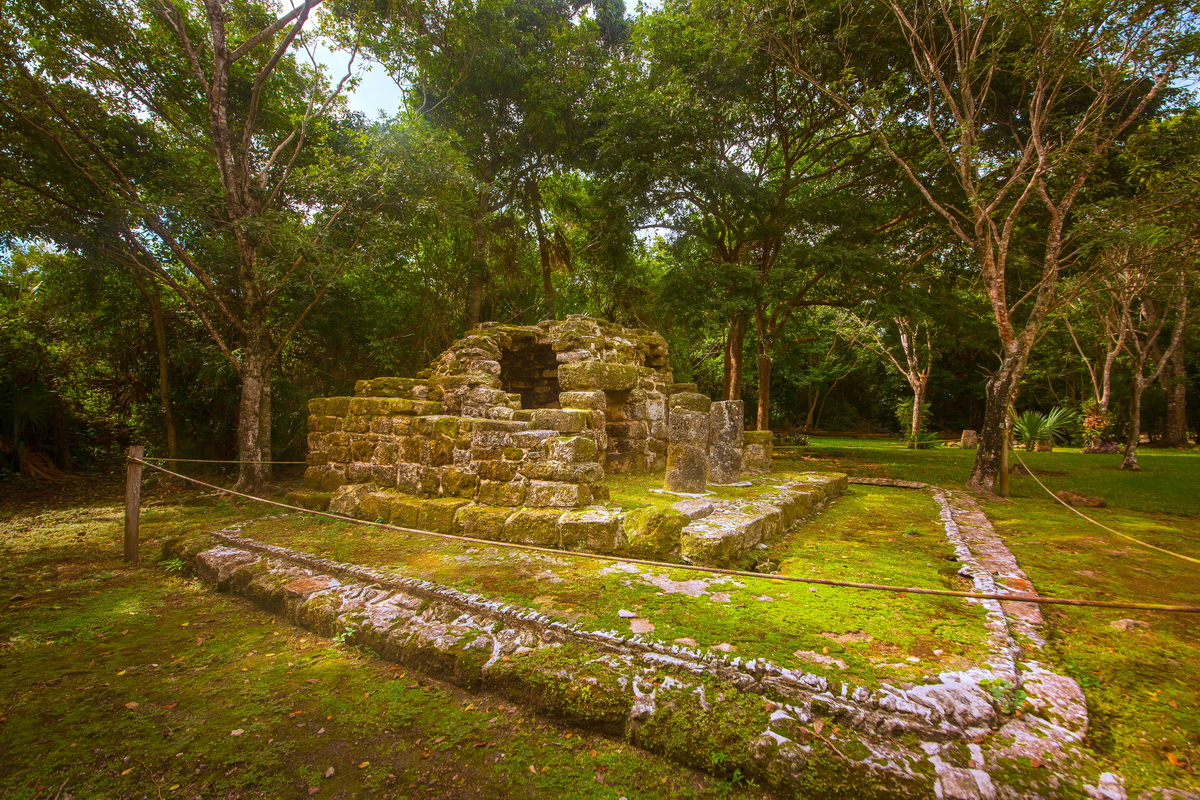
point(1007, 597)
point(216, 461)
point(1100, 524)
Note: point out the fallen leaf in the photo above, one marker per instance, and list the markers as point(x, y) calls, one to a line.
point(533, 769)
point(122, 672)
point(1172, 704)
point(329, 772)
point(364, 765)
point(237, 732)
point(1175, 760)
point(127, 771)
point(470, 707)
point(131, 706)
point(1035, 762)
point(818, 725)
point(165, 708)
point(439, 740)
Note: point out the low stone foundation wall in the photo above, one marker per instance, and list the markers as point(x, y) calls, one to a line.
point(710, 531)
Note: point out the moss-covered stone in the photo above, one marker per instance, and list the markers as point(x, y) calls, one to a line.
point(653, 531)
point(481, 522)
point(595, 375)
point(537, 527)
point(437, 514)
point(596, 530)
point(314, 501)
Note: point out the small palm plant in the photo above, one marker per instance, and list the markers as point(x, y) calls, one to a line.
point(1035, 430)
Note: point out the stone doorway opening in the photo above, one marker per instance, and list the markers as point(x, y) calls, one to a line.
point(530, 369)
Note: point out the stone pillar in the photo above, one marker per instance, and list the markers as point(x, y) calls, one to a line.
point(756, 454)
point(687, 450)
point(970, 440)
point(725, 431)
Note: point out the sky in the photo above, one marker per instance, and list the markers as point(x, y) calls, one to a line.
point(375, 93)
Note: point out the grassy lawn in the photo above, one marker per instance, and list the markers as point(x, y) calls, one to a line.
point(82, 638)
point(121, 682)
point(1143, 685)
point(870, 534)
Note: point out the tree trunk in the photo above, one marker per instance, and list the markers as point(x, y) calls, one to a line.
point(158, 320)
point(917, 409)
point(255, 376)
point(731, 388)
point(1175, 386)
point(477, 277)
point(1130, 461)
point(1000, 393)
point(763, 421)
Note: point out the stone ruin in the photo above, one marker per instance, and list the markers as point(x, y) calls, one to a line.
point(532, 416)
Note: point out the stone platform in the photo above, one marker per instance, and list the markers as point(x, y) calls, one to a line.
point(710, 529)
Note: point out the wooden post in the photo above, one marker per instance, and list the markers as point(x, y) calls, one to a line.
point(133, 502)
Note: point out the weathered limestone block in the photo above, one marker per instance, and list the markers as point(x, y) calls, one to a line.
point(595, 529)
point(569, 472)
point(314, 501)
point(534, 527)
point(326, 478)
point(970, 440)
point(585, 401)
point(572, 449)
point(725, 423)
point(458, 482)
point(346, 499)
point(687, 451)
point(564, 420)
point(495, 470)
point(555, 494)
point(406, 511)
point(756, 451)
point(653, 532)
point(694, 508)
point(360, 472)
point(501, 493)
point(596, 375)
point(630, 429)
point(481, 522)
point(376, 507)
point(438, 514)
point(690, 401)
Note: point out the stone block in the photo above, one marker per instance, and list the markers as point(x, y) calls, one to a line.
point(481, 522)
point(595, 530)
point(756, 452)
point(376, 507)
point(385, 453)
point(491, 439)
point(694, 509)
point(533, 527)
point(687, 451)
point(323, 424)
point(690, 401)
point(593, 375)
point(496, 470)
point(360, 472)
point(573, 449)
point(408, 477)
point(588, 401)
point(969, 441)
point(402, 426)
point(532, 439)
point(564, 420)
point(725, 432)
point(458, 482)
point(314, 501)
point(500, 493)
point(384, 474)
point(633, 429)
point(324, 478)
point(566, 471)
point(653, 532)
point(438, 514)
point(381, 426)
point(346, 499)
point(554, 494)
point(329, 406)
point(362, 450)
point(406, 510)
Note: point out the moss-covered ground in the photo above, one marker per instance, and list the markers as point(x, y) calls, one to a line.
point(1143, 684)
point(119, 682)
point(870, 534)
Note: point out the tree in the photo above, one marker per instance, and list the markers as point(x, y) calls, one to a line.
point(1020, 104)
point(177, 138)
point(731, 150)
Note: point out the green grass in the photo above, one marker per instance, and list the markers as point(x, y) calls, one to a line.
point(871, 534)
point(1143, 686)
point(83, 637)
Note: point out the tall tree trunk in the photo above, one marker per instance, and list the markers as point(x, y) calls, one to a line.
point(1001, 389)
point(1130, 461)
point(546, 263)
point(1175, 385)
point(477, 277)
point(918, 388)
point(810, 418)
point(735, 340)
point(255, 376)
point(763, 420)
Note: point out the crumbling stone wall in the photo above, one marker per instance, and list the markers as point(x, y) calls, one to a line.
point(510, 416)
